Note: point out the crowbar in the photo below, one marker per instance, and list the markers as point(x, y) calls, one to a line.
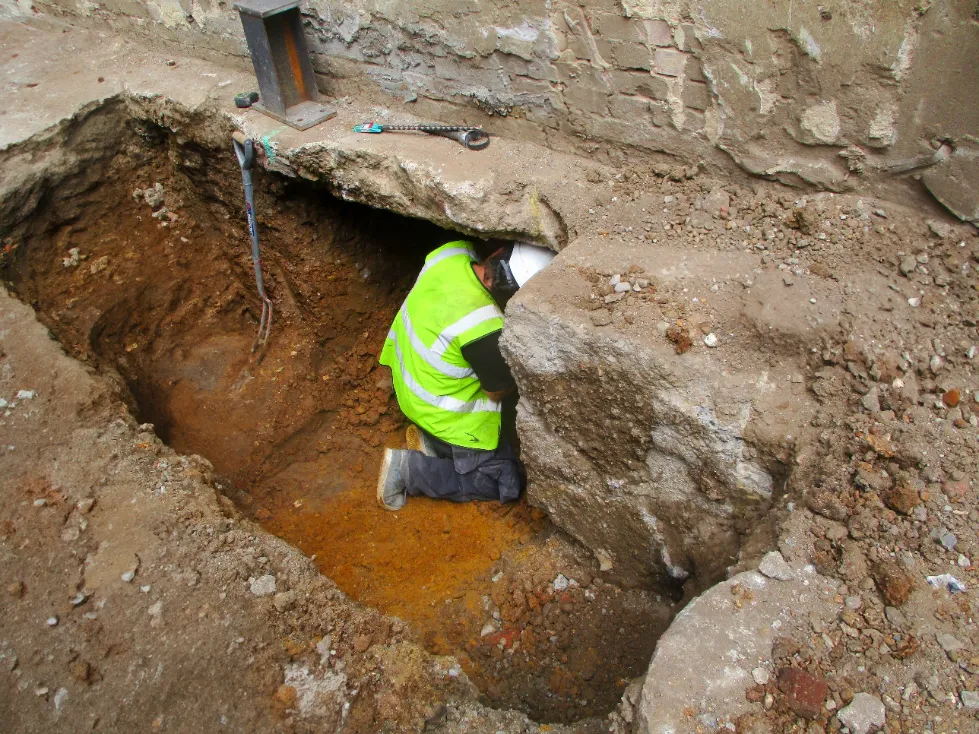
point(245, 152)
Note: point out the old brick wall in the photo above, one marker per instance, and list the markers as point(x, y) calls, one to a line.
point(778, 88)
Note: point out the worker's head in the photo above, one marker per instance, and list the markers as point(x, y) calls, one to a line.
point(510, 267)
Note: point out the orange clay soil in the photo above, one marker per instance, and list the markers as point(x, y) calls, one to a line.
point(407, 563)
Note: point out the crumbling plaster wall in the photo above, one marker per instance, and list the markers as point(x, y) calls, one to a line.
point(781, 87)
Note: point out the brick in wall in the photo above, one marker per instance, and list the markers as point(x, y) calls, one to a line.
point(658, 33)
point(632, 56)
point(696, 95)
point(669, 62)
point(615, 27)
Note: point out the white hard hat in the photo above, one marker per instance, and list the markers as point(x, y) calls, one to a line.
point(527, 260)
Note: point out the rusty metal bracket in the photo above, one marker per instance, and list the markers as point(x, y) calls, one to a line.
point(286, 84)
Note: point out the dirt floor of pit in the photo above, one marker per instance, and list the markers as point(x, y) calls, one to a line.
point(149, 278)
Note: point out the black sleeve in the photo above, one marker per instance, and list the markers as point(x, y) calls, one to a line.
point(484, 356)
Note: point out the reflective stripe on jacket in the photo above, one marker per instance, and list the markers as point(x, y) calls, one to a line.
point(446, 309)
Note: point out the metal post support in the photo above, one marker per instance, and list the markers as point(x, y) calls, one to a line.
point(286, 84)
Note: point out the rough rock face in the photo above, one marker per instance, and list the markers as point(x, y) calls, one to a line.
point(638, 451)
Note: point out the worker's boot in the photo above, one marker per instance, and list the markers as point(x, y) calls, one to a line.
point(417, 440)
point(392, 493)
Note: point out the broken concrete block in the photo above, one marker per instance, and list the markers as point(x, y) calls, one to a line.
point(712, 652)
point(651, 463)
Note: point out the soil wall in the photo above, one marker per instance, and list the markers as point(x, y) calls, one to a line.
point(842, 95)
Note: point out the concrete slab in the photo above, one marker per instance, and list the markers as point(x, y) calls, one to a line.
point(52, 72)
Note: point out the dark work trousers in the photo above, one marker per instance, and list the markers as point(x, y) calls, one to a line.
point(460, 474)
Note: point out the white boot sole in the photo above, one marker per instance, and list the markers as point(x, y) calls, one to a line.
point(381, 476)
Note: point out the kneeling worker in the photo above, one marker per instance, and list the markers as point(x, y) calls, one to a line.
point(449, 377)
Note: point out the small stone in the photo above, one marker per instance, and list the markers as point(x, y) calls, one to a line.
point(80, 598)
point(871, 401)
point(804, 692)
point(488, 629)
point(85, 506)
point(80, 671)
point(604, 561)
point(711, 340)
point(99, 265)
point(970, 699)
point(895, 616)
point(59, 698)
point(949, 643)
point(902, 498)
point(949, 541)
point(40, 502)
point(914, 302)
point(894, 582)
point(52, 621)
point(774, 566)
point(263, 585)
point(623, 287)
point(362, 643)
point(761, 676)
point(561, 582)
point(154, 196)
point(936, 363)
point(156, 613)
point(128, 576)
point(864, 713)
point(940, 229)
point(910, 691)
point(951, 398)
point(25, 394)
point(284, 601)
point(853, 603)
point(16, 589)
point(908, 264)
point(964, 561)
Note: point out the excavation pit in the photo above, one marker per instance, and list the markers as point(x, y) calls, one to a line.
point(144, 273)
